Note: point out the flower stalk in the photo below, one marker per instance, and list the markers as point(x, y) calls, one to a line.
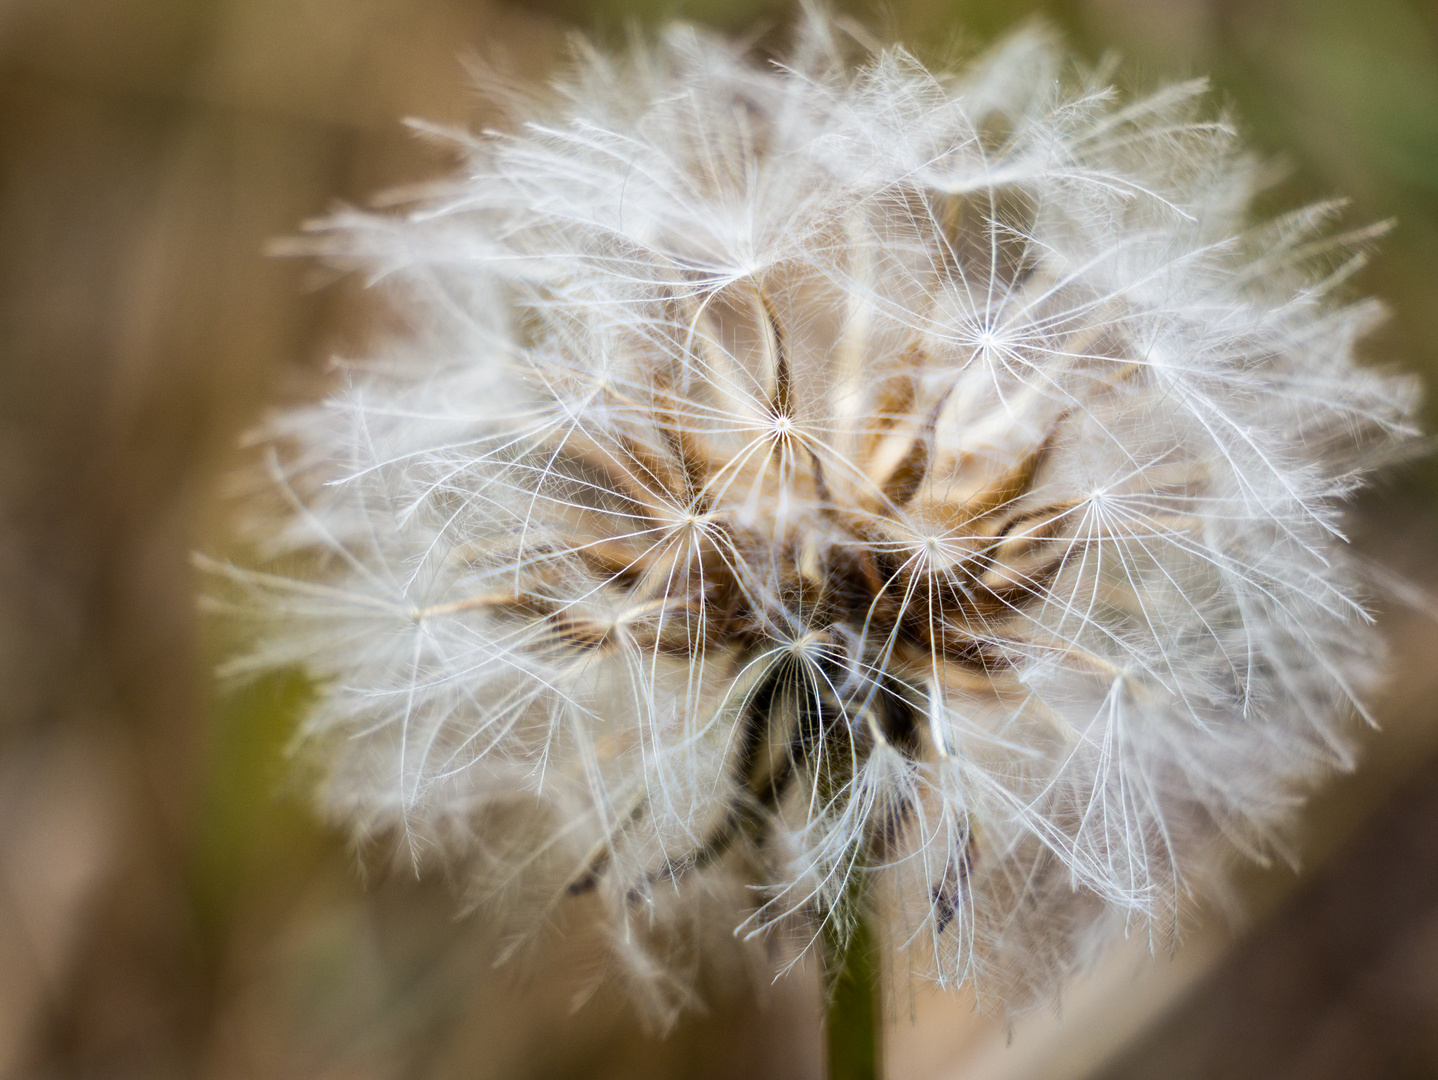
point(853, 1019)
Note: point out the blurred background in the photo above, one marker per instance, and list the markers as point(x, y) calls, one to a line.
point(168, 908)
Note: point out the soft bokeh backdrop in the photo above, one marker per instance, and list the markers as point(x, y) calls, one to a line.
point(167, 906)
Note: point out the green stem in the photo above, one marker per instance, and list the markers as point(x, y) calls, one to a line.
point(852, 1022)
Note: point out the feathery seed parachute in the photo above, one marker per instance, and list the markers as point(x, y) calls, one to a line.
point(835, 485)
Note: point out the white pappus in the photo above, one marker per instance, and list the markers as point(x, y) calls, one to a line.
point(829, 486)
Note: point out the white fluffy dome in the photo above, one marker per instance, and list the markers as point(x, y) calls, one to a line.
point(831, 486)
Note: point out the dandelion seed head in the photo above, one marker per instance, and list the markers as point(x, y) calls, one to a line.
point(835, 472)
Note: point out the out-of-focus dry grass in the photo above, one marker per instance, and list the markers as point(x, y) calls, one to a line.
point(167, 908)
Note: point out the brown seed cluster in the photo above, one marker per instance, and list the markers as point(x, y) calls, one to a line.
point(698, 550)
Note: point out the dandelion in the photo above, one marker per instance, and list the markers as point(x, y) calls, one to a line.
point(816, 496)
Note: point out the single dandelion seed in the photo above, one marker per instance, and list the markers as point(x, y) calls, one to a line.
point(835, 495)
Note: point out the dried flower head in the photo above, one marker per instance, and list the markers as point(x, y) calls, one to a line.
point(836, 484)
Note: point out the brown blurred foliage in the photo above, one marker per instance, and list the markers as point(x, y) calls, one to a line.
point(167, 907)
